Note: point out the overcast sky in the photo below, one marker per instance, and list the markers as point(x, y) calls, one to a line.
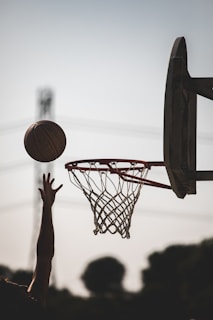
point(106, 63)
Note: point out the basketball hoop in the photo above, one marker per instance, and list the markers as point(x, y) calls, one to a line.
point(113, 196)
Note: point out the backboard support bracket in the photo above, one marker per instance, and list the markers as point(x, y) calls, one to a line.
point(204, 175)
point(201, 86)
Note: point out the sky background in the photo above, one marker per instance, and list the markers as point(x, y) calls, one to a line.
point(106, 63)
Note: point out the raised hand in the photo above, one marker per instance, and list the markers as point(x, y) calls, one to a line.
point(48, 193)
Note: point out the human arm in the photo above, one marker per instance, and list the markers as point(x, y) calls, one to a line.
point(38, 287)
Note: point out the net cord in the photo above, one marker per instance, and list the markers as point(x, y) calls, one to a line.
point(112, 210)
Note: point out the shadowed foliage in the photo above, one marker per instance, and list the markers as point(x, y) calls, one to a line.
point(177, 285)
point(104, 276)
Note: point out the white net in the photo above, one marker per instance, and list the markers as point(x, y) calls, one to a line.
point(112, 192)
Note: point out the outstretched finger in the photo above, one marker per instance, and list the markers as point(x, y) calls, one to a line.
point(51, 182)
point(41, 191)
point(56, 190)
point(48, 177)
point(43, 179)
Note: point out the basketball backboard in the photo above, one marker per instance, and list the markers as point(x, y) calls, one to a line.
point(180, 122)
point(116, 189)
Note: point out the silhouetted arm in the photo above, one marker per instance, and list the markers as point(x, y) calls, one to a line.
point(39, 285)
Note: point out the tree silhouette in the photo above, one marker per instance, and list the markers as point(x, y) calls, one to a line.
point(104, 276)
point(5, 272)
point(178, 284)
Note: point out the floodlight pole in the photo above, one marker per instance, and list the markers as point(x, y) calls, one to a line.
point(44, 111)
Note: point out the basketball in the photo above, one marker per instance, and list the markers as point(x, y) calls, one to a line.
point(44, 141)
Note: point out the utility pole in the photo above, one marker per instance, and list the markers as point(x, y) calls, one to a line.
point(44, 111)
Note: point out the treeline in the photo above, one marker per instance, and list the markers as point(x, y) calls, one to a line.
point(177, 285)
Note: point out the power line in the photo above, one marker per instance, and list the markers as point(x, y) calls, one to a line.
point(141, 211)
point(103, 126)
point(4, 129)
point(110, 127)
point(14, 165)
point(12, 207)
